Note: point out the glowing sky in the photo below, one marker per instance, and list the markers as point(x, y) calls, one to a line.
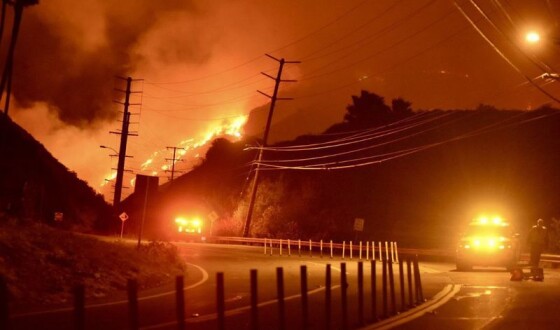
point(199, 65)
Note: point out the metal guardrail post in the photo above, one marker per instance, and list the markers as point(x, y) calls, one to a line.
point(79, 307)
point(373, 289)
point(220, 301)
point(132, 289)
point(344, 295)
point(180, 302)
point(328, 297)
point(280, 298)
point(4, 304)
point(254, 300)
point(360, 293)
point(304, 300)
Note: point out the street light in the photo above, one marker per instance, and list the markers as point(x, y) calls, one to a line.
point(532, 37)
point(105, 147)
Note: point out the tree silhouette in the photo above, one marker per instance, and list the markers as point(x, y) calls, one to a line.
point(367, 109)
point(401, 107)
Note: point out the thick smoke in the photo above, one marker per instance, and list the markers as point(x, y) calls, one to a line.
point(69, 52)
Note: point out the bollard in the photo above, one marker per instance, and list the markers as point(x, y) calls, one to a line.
point(401, 285)
point(331, 249)
point(299, 247)
point(4, 304)
point(132, 290)
point(289, 249)
point(351, 250)
point(254, 300)
point(418, 282)
point(280, 247)
point(265, 246)
point(280, 298)
point(310, 249)
point(180, 302)
point(373, 290)
point(304, 300)
point(343, 248)
point(386, 251)
point(220, 301)
point(384, 290)
point(328, 297)
point(79, 307)
point(344, 295)
point(409, 279)
point(396, 252)
point(367, 250)
point(360, 254)
point(392, 289)
point(321, 248)
point(360, 293)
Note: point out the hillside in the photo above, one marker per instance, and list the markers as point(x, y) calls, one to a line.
point(34, 185)
point(415, 176)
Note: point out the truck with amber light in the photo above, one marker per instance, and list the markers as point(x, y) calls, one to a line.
point(190, 229)
point(488, 241)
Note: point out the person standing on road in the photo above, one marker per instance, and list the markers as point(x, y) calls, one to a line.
point(538, 242)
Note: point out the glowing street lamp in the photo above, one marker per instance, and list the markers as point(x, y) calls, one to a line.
point(532, 37)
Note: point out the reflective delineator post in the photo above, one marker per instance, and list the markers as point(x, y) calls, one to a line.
point(343, 248)
point(310, 249)
point(299, 247)
point(254, 300)
point(220, 301)
point(396, 253)
point(392, 252)
point(289, 248)
point(280, 298)
point(280, 247)
point(372, 250)
point(386, 251)
point(360, 254)
point(367, 250)
point(344, 295)
point(331, 249)
point(132, 290)
point(321, 248)
point(328, 297)
point(351, 250)
point(79, 308)
point(360, 293)
point(270, 246)
point(304, 300)
point(265, 246)
point(180, 302)
point(380, 251)
point(373, 289)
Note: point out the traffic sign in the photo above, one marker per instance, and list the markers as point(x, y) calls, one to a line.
point(359, 224)
point(123, 216)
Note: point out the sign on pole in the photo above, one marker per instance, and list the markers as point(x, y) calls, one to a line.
point(123, 216)
point(359, 224)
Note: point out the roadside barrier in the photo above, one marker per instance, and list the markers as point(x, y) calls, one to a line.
point(386, 250)
point(413, 286)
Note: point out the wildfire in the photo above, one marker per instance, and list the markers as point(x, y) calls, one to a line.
point(190, 149)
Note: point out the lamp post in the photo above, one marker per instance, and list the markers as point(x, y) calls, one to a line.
point(105, 147)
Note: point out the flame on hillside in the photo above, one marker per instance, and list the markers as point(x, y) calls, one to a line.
point(188, 151)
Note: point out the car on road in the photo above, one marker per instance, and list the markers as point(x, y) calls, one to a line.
point(488, 241)
point(190, 229)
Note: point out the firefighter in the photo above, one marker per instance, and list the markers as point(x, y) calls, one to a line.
point(538, 242)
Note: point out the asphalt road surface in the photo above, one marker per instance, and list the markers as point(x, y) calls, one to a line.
point(484, 298)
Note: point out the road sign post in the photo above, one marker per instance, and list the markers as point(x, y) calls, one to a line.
point(123, 216)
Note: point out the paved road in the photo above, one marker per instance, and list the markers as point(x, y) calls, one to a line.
point(455, 300)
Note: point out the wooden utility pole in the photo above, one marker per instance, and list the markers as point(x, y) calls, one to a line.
point(273, 98)
point(173, 161)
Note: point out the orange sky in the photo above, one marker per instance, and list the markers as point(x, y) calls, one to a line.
point(200, 61)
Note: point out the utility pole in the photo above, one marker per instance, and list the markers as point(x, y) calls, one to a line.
point(124, 133)
point(173, 160)
point(273, 98)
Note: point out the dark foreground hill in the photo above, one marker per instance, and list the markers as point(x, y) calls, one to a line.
point(418, 181)
point(34, 185)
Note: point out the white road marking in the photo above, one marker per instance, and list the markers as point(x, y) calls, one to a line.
point(438, 300)
point(118, 302)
